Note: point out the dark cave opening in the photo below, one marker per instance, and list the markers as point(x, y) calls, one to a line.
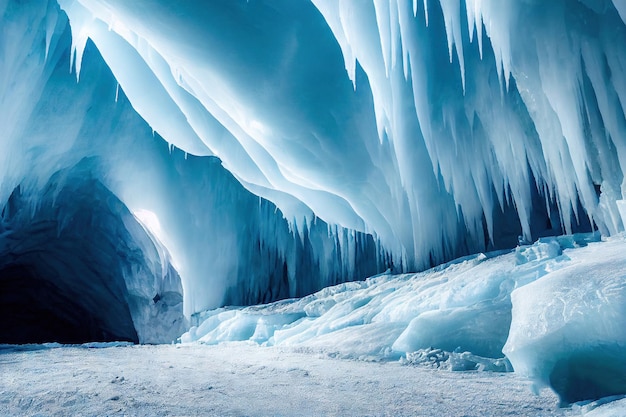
point(63, 264)
point(37, 310)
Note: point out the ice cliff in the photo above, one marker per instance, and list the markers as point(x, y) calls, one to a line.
point(228, 245)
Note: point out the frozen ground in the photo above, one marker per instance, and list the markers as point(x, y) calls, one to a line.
point(240, 379)
point(377, 347)
point(555, 309)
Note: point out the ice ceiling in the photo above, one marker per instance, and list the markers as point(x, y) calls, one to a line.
point(417, 122)
point(367, 134)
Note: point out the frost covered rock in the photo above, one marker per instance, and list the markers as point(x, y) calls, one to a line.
point(568, 328)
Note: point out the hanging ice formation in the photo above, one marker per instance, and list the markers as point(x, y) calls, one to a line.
point(77, 160)
point(422, 130)
point(450, 112)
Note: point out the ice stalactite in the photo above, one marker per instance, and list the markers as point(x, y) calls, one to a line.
point(385, 133)
point(421, 122)
point(228, 245)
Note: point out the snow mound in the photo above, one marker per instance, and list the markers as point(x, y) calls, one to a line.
point(568, 328)
point(555, 308)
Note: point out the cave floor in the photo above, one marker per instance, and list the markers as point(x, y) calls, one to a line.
point(246, 380)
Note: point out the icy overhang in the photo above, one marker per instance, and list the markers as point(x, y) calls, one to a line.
point(420, 122)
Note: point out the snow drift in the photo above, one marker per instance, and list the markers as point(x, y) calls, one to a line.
point(555, 309)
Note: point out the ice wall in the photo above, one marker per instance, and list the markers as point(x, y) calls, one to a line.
point(506, 93)
point(432, 128)
point(438, 114)
point(567, 328)
point(421, 122)
point(228, 245)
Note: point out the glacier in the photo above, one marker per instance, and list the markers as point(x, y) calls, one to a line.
point(164, 161)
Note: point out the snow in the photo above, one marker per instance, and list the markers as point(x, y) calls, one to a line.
point(238, 379)
point(554, 309)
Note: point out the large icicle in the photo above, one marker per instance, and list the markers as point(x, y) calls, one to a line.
point(352, 110)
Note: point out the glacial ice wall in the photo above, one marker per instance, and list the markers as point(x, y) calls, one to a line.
point(421, 122)
point(386, 133)
point(228, 245)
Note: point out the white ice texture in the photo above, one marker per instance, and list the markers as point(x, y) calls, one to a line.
point(228, 245)
point(555, 309)
point(417, 131)
point(419, 122)
point(367, 135)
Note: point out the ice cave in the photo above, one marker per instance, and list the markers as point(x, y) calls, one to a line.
point(388, 177)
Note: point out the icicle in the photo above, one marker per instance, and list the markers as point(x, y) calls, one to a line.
point(451, 11)
point(620, 5)
point(384, 30)
point(419, 139)
point(471, 19)
point(52, 17)
point(79, 24)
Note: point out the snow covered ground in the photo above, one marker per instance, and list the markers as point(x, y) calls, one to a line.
point(384, 346)
point(555, 309)
point(241, 379)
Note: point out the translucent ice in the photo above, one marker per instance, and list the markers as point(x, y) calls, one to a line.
point(568, 327)
point(558, 316)
point(470, 121)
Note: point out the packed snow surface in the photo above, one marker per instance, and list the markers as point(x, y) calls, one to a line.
point(246, 380)
point(243, 379)
point(554, 308)
point(385, 346)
